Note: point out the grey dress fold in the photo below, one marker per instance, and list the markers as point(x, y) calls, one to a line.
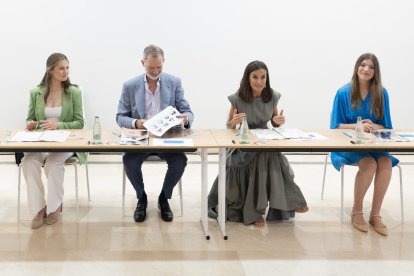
point(257, 180)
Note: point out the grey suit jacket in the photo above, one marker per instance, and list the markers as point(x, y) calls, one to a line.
point(132, 102)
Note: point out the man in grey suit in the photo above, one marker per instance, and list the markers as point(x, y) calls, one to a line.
point(142, 97)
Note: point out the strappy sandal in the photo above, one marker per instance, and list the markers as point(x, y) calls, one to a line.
point(302, 209)
point(380, 230)
point(260, 222)
point(361, 227)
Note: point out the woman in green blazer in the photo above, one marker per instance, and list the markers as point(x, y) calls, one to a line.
point(54, 104)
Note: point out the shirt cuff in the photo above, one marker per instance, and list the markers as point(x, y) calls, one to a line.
point(133, 123)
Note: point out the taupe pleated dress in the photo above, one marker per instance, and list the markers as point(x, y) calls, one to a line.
point(255, 181)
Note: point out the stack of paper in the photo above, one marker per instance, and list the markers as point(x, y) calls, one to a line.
point(133, 137)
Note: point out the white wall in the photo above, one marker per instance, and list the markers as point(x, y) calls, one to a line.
point(309, 46)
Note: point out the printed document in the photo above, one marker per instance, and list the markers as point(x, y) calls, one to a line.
point(279, 133)
point(133, 136)
point(380, 135)
point(41, 136)
point(163, 121)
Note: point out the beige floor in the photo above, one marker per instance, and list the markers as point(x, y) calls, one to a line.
point(105, 243)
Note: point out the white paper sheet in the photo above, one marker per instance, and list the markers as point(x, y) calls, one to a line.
point(41, 136)
point(407, 135)
point(279, 133)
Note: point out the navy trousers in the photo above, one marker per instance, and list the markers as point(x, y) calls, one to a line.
point(176, 166)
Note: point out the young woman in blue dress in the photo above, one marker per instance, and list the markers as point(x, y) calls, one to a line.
point(366, 97)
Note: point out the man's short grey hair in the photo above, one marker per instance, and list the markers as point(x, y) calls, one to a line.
point(154, 51)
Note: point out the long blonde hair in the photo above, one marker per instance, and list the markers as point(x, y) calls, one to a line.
point(51, 62)
point(375, 87)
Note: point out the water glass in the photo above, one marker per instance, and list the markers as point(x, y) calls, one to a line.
point(377, 136)
point(5, 136)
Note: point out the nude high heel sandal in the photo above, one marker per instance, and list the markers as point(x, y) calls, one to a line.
point(360, 227)
point(382, 230)
point(39, 219)
point(54, 217)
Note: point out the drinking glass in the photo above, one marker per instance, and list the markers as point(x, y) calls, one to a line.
point(5, 136)
point(377, 136)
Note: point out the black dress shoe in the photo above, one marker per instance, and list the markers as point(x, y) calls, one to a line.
point(141, 211)
point(166, 213)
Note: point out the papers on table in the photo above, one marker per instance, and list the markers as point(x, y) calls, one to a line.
point(41, 136)
point(381, 135)
point(284, 133)
point(163, 121)
point(75, 135)
point(168, 142)
point(407, 135)
point(133, 137)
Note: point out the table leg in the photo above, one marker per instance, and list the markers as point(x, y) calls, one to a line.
point(222, 192)
point(204, 217)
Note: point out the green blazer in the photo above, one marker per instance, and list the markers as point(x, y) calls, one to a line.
point(72, 111)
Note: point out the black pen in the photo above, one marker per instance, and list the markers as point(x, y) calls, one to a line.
point(234, 142)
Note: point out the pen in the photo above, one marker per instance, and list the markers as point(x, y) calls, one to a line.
point(234, 142)
point(347, 134)
point(37, 125)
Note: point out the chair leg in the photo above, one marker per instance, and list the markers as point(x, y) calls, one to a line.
point(19, 179)
point(342, 193)
point(87, 180)
point(76, 192)
point(401, 194)
point(123, 190)
point(324, 176)
point(180, 190)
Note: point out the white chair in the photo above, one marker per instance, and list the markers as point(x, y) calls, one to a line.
point(150, 159)
point(342, 188)
point(74, 162)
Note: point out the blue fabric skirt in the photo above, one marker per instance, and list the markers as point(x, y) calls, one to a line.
point(350, 158)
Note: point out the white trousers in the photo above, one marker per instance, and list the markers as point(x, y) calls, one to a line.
point(54, 166)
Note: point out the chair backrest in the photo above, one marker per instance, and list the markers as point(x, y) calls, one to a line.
point(83, 106)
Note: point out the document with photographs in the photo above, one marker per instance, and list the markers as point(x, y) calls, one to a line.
point(380, 135)
point(133, 136)
point(163, 121)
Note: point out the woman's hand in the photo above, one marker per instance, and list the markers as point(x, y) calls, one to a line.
point(279, 119)
point(48, 125)
point(237, 118)
point(368, 125)
point(30, 125)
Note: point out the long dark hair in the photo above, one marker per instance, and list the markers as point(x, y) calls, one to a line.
point(245, 90)
point(51, 62)
point(375, 87)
